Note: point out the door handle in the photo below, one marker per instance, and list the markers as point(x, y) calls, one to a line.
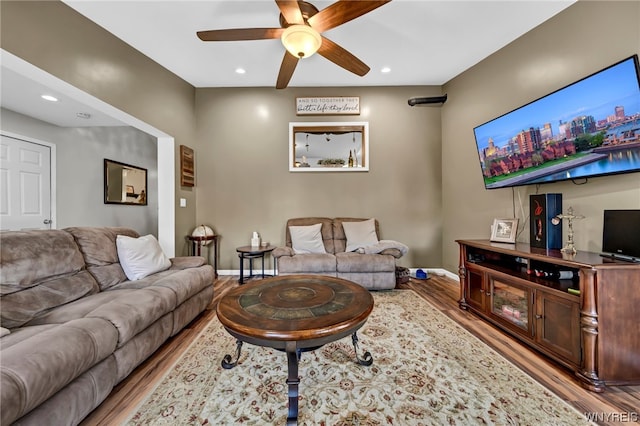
point(47, 221)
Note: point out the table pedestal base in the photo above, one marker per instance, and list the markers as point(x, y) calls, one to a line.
point(293, 380)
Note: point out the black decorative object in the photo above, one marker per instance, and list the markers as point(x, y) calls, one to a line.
point(542, 209)
point(428, 100)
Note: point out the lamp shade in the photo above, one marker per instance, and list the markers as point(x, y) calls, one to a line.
point(301, 41)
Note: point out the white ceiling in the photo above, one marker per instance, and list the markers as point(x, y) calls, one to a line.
point(23, 94)
point(423, 42)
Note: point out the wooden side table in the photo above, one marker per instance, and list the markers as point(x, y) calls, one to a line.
point(196, 248)
point(250, 252)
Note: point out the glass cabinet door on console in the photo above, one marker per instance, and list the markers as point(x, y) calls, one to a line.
point(511, 303)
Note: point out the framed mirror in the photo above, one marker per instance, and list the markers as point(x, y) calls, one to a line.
point(329, 147)
point(124, 184)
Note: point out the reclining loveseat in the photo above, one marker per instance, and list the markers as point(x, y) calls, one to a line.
point(343, 247)
point(74, 325)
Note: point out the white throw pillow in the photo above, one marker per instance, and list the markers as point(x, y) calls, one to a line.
point(140, 257)
point(307, 239)
point(4, 331)
point(360, 234)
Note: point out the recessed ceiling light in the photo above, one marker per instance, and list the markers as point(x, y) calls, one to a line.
point(49, 98)
point(385, 70)
point(240, 70)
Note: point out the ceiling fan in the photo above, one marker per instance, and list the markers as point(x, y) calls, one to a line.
point(301, 25)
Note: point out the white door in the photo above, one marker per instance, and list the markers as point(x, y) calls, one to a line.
point(25, 185)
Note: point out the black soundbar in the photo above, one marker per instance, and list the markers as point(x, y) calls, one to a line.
point(620, 257)
point(428, 100)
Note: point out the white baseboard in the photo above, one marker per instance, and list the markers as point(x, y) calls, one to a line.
point(436, 271)
point(432, 271)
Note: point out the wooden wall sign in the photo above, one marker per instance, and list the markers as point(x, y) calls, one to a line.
point(331, 105)
point(187, 166)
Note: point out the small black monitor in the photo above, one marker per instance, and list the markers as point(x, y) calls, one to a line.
point(621, 234)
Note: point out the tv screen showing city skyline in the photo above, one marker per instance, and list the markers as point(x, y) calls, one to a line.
point(578, 131)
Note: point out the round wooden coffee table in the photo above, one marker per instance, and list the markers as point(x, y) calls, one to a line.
point(295, 313)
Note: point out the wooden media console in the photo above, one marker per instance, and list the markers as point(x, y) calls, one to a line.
point(580, 310)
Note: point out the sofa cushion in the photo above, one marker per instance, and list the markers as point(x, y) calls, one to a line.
point(130, 311)
point(360, 234)
point(377, 281)
point(140, 257)
point(278, 252)
point(21, 333)
point(191, 308)
point(307, 239)
point(184, 262)
point(98, 246)
point(326, 230)
point(356, 262)
point(77, 309)
point(141, 346)
point(21, 307)
point(39, 366)
point(340, 238)
point(30, 257)
point(184, 283)
point(131, 315)
point(39, 270)
point(75, 401)
point(308, 263)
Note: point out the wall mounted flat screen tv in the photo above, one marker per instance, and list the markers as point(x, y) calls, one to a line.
point(621, 234)
point(589, 128)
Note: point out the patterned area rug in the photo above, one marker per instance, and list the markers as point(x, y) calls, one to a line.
point(427, 370)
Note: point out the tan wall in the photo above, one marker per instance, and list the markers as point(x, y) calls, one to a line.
point(244, 183)
point(55, 38)
point(421, 158)
point(584, 38)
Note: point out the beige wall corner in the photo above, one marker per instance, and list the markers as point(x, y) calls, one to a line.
point(58, 40)
point(560, 51)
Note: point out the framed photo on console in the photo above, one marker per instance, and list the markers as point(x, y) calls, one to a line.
point(504, 230)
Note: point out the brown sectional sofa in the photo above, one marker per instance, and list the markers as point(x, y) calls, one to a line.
point(77, 325)
point(372, 271)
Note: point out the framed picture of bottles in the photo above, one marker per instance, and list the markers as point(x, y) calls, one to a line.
point(329, 147)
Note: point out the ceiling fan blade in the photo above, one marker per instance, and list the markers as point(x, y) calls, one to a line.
point(289, 63)
point(341, 57)
point(342, 11)
point(291, 11)
point(240, 34)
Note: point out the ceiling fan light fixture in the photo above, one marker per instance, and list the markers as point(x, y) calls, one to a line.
point(301, 41)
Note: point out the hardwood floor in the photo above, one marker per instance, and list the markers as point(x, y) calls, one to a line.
point(616, 405)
